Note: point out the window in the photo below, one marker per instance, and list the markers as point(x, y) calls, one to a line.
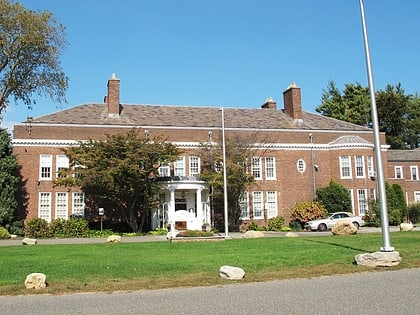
point(194, 165)
point(301, 166)
point(256, 167)
point(44, 208)
point(414, 173)
point(372, 194)
point(417, 196)
point(398, 172)
point(271, 204)
point(179, 167)
point(270, 168)
point(244, 205)
point(257, 204)
point(62, 163)
point(45, 166)
point(78, 204)
point(359, 166)
point(350, 191)
point(362, 201)
point(345, 167)
point(164, 170)
point(371, 171)
point(61, 207)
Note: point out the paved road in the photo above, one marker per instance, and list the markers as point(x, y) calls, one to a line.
point(149, 238)
point(386, 292)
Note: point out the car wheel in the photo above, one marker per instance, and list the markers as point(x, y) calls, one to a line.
point(322, 227)
point(356, 225)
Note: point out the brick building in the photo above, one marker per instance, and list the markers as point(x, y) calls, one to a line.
point(302, 151)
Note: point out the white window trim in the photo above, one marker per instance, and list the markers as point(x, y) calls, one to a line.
point(261, 204)
point(370, 168)
point(301, 166)
point(73, 209)
point(273, 167)
point(190, 171)
point(362, 202)
point(363, 166)
point(347, 158)
point(45, 160)
point(411, 172)
point(47, 206)
point(256, 168)
point(66, 209)
point(398, 167)
point(416, 195)
point(61, 161)
point(164, 168)
point(244, 203)
point(271, 207)
point(179, 165)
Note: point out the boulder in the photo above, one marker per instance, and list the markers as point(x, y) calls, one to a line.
point(253, 234)
point(344, 227)
point(35, 281)
point(378, 259)
point(291, 234)
point(29, 241)
point(114, 239)
point(231, 273)
point(406, 227)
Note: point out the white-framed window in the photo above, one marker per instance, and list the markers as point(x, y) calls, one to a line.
point(301, 166)
point(350, 191)
point(256, 167)
point(362, 201)
point(271, 204)
point(44, 206)
point(164, 170)
point(270, 168)
point(257, 204)
point(179, 166)
point(194, 165)
point(62, 162)
point(45, 167)
point(359, 164)
point(244, 205)
point(345, 167)
point(78, 204)
point(414, 172)
point(61, 205)
point(417, 196)
point(372, 194)
point(398, 172)
point(370, 168)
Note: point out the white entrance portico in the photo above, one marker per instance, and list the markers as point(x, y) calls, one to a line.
point(184, 204)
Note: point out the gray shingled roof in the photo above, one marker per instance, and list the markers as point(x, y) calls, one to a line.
point(404, 155)
point(193, 116)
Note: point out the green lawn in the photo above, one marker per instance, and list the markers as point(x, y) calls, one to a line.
point(130, 266)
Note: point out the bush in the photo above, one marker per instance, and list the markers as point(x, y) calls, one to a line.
point(159, 231)
point(252, 226)
point(16, 227)
point(77, 228)
point(334, 197)
point(36, 228)
point(275, 224)
point(307, 211)
point(58, 228)
point(296, 226)
point(414, 212)
point(4, 233)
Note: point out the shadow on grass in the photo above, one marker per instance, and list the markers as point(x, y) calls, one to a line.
point(340, 245)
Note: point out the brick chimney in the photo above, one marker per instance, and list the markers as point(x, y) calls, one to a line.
point(292, 102)
point(112, 99)
point(269, 103)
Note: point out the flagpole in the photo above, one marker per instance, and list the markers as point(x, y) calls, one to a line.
point(225, 176)
point(377, 143)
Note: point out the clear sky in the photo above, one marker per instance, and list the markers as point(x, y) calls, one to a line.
point(230, 53)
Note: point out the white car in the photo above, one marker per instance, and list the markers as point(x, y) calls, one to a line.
point(331, 219)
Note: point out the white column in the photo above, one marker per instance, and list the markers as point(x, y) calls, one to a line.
point(171, 210)
point(200, 210)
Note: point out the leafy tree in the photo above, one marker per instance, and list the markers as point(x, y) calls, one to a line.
point(119, 172)
point(238, 155)
point(9, 180)
point(352, 105)
point(334, 197)
point(307, 211)
point(30, 46)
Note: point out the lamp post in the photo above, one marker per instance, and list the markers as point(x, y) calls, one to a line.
point(224, 176)
point(377, 142)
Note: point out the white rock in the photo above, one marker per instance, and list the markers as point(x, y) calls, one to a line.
point(35, 281)
point(231, 273)
point(114, 239)
point(253, 234)
point(406, 227)
point(344, 227)
point(378, 259)
point(29, 241)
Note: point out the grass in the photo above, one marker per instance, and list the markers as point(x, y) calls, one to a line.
point(132, 266)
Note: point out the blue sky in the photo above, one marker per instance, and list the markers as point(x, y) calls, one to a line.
point(230, 53)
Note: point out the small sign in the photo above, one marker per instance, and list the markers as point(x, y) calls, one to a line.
point(101, 211)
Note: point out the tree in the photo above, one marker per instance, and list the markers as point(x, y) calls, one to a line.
point(119, 174)
point(351, 105)
point(30, 46)
point(238, 155)
point(9, 180)
point(334, 197)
